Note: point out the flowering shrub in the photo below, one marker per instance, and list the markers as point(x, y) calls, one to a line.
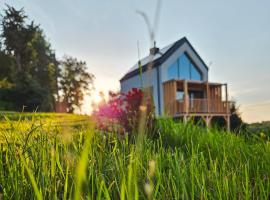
point(122, 112)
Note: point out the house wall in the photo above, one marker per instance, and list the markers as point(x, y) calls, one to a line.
point(149, 80)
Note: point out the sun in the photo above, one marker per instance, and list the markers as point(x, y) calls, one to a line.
point(91, 101)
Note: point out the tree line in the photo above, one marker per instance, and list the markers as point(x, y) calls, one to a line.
point(31, 77)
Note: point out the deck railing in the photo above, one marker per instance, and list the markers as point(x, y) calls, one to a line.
point(211, 106)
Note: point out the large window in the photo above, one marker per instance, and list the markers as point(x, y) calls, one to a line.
point(195, 74)
point(184, 68)
point(184, 65)
point(173, 71)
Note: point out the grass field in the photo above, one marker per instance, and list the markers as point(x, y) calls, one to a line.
point(60, 156)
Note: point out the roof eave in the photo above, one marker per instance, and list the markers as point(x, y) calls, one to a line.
point(137, 71)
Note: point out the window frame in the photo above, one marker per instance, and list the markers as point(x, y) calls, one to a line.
point(191, 64)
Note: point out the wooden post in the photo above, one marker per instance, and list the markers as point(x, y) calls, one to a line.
point(207, 97)
point(186, 103)
point(227, 103)
point(208, 120)
point(228, 109)
point(228, 123)
point(174, 90)
point(185, 119)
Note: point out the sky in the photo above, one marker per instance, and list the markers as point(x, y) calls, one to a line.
point(232, 37)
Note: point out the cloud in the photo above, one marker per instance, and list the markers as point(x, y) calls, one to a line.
point(258, 104)
point(244, 91)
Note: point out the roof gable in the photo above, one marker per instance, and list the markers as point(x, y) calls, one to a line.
point(157, 59)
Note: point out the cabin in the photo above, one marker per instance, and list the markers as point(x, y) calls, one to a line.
point(177, 77)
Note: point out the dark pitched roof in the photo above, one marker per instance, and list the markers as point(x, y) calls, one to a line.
point(159, 58)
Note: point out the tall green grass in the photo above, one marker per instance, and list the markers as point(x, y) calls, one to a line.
point(41, 161)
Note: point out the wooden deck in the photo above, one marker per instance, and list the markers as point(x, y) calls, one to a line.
point(197, 99)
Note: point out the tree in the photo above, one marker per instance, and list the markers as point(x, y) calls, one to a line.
point(30, 95)
point(237, 124)
point(44, 67)
point(29, 73)
point(75, 82)
point(17, 37)
point(26, 53)
point(7, 67)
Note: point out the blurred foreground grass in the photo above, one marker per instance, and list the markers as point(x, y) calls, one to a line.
point(62, 156)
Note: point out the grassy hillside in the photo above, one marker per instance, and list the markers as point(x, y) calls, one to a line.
point(263, 127)
point(52, 156)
